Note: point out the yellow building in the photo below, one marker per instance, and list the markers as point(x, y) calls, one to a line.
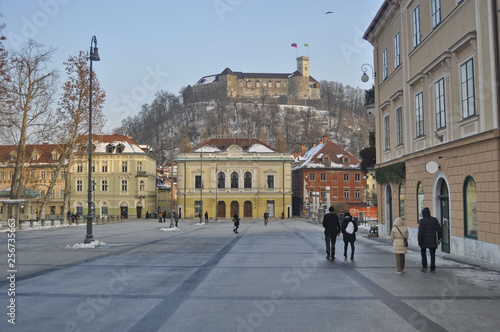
point(437, 112)
point(40, 164)
point(223, 176)
point(124, 177)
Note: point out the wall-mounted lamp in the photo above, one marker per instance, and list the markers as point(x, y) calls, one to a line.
point(365, 77)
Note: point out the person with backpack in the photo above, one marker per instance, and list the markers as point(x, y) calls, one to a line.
point(236, 221)
point(349, 229)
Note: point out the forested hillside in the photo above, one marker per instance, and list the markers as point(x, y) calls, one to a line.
point(168, 122)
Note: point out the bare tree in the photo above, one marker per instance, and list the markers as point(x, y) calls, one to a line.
point(73, 118)
point(30, 91)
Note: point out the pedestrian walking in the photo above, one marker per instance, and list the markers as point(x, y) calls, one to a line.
point(266, 217)
point(160, 220)
point(164, 214)
point(349, 229)
point(399, 237)
point(331, 225)
point(176, 218)
point(429, 236)
point(236, 221)
point(206, 217)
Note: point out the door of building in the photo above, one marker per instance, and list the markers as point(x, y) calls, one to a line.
point(139, 212)
point(235, 208)
point(445, 216)
point(247, 210)
point(388, 207)
point(270, 208)
point(221, 210)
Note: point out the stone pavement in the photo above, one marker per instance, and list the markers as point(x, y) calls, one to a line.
point(204, 277)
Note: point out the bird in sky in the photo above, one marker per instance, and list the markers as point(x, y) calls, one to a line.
point(328, 13)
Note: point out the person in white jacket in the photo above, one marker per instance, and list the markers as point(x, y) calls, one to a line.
point(399, 232)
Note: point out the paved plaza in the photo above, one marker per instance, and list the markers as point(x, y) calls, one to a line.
point(206, 278)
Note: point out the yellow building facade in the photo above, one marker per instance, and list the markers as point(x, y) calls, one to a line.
point(124, 178)
point(224, 176)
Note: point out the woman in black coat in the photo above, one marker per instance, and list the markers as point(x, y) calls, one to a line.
point(349, 229)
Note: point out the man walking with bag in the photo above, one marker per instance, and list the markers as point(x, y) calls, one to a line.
point(332, 230)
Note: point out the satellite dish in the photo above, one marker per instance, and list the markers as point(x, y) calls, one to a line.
point(431, 167)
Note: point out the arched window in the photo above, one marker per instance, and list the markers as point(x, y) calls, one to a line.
point(248, 180)
point(470, 208)
point(249, 84)
point(420, 199)
point(142, 186)
point(401, 201)
point(221, 180)
point(234, 180)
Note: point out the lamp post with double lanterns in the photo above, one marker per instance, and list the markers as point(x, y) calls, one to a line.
point(94, 56)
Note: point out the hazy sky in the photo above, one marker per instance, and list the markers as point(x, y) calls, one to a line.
point(151, 45)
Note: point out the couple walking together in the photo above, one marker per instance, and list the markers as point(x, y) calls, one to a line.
point(333, 228)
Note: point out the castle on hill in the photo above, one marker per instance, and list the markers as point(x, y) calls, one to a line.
point(297, 88)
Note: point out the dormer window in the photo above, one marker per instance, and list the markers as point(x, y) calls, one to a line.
point(346, 160)
point(35, 156)
point(119, 148)
point(54, 155)
point(110, 148)
point(326, 160)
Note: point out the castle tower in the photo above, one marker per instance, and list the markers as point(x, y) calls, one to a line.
point(303, 65)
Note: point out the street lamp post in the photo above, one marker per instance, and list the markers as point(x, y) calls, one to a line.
point(201, 187)
point(94, 56)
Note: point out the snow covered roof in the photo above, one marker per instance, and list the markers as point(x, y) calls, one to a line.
point(316, 157)
point(221, 144)
point(114, 144)
point(259, 148)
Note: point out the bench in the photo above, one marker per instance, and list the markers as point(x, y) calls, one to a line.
point(373, 229)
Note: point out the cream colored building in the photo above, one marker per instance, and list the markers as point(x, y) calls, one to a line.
point(124, 177)
point(223, 176)
point(437, 118)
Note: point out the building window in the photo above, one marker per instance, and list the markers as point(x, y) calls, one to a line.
point(346, 193)
point(440, 104)
point(124, 185)
point(415, 20)
point(470, 208)
point(79, 185)
point(467, 86)
point(346, 176)
point(139, 166)
point(358, 193)
point(397, 51)
point(124, 167)
point(79, 168)
point(33, 175)
point(357, 177)
point(399, 126)
point(257, 84)
point(323, 193)
point(234, 180)
point(419, 114)
point(323, 176)
point(270, 181)
point(104, 185)
point(52, 194)
point(104, 209)
point(52, 175)
point(2, 175)
point(401, 201)
point(346, 160)
point(278, 84)
point(420, 199)
point(104, 166)
point(54, 156)
point(384, 64)
point(109, 148)
point(221, 180)
point(197, 181)
point(249, 84)
point(436, 12)
point(142, 186)
point(312, 177)
point(43, 175)
point(62, 175)
point(248, 180)
point(387, 133)
point(326, 160)
point(61, 193)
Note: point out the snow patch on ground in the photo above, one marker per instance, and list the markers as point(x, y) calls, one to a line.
point(93, 244)
point(170, 229)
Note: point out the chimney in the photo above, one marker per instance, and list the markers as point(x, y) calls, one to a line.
point(302, 149)
point(325, 138)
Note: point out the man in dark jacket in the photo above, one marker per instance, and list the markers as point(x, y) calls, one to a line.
point(332, 230)
point(429, 233)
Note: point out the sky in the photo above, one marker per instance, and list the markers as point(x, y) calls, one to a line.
point(151, 45)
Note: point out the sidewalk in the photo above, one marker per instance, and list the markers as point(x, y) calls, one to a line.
point(267, 278)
